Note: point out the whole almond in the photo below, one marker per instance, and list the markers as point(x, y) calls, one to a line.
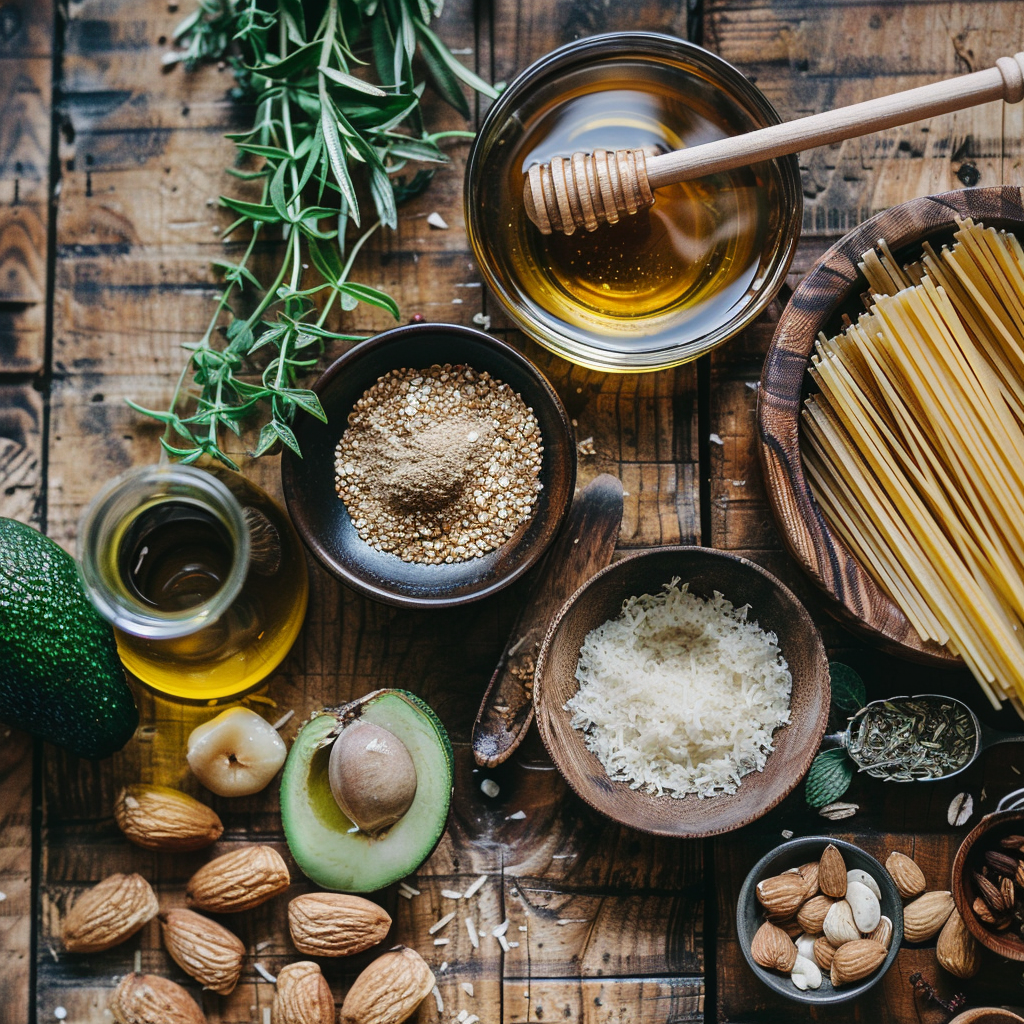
point(790, 925)
point(110, 912)
point(332, 924)
point(856, 960)
point(812, 914)
point(302, 996)
point(909, 878)
point(982, 911)
point(1018, 875)
point(238, 880)
point(809, 873)
point(389, 990)
point(1002, 863)
point(883, 933)
point(149, 999)
point(772, 948)
point(991, 894)
point(839, 926)
point(204, 949)
point(782, 895)
point(1012, 842)
point(832, 872)
point(923, 919)
point(824, 951)
point(161, 818)
point(957, 950)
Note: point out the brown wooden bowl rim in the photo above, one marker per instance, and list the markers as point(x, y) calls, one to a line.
point(801, 764)
point(798, 518)
point(296, 502)
point(995, 941)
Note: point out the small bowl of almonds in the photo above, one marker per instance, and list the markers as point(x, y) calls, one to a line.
point(988, 882)
point(819, 920)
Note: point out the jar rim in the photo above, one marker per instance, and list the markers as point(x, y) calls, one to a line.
point(725, 75)
point(113, 502)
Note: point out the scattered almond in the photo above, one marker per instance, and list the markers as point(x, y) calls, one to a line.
point(204, 949)
point(832, 872)
point(302, 996)
point(149, 999)
point(781, 895)
point(332, 924)
point(909, 878)
point(238, 880)
point(856, 960)
point(957, 950)
point(773, 949)
point(110, 912)
point(161, 818)
point(389, 990)
point(812, 914)
point(924, 918)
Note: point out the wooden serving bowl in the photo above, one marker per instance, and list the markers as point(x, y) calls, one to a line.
point(322, 519)
point(988, 831)
point(775, 609)
point(832, 288)
point(987, 1015)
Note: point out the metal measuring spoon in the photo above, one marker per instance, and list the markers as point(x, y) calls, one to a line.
point(916, 739)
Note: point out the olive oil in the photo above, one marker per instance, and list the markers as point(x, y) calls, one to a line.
point(681, 268)
point(174, 555)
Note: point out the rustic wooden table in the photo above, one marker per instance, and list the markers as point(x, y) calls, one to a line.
point(109, 169)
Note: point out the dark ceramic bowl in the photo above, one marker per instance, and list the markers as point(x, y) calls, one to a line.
point(969, 859)
point(320, 515)
point(773, 606)
point(791, 855)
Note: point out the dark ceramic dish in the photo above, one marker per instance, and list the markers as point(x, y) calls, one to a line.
point(772, 605)
point(791, 855)
point(320, 515)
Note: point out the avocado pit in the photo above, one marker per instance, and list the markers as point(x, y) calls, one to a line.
point(372, 776)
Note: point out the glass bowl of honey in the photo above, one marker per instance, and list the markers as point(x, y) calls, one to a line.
point(671, 282)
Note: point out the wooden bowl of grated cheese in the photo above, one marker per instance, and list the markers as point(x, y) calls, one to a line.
point(682, 691)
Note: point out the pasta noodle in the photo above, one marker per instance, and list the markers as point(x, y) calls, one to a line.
point(914, 445)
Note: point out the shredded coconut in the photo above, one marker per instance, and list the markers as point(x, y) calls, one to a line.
point(679, 694)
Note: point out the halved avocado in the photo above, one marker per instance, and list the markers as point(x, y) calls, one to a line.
point(320, 836)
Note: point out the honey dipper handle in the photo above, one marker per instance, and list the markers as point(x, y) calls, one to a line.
point(1005, 81)
point(588, 189)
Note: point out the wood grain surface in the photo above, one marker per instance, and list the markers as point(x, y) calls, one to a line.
point(619, 926)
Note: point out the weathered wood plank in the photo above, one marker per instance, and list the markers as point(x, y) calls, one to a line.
point(21, 423)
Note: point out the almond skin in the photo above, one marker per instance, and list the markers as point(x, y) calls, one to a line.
point(832, 873)
point(957, 950)
point(883, 933)
point(812, 914)
point(824, 951)
point(149, 999)
point(161, 818)
point(909, 878)
point(108, 913)
point(782, 895)
point(204, 949)
point(238, 880)
point(302, 996)
point(773, 949)
point(389, 990)
point(332, 924)
point(923, 919)
point(856, 960)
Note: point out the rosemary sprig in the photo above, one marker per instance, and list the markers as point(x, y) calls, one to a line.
point(318, 129)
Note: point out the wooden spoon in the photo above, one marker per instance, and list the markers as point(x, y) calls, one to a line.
point(585, 190)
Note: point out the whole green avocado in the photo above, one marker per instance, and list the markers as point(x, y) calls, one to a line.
point(60, 676)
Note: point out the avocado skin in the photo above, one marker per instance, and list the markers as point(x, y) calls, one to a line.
point(60, 675)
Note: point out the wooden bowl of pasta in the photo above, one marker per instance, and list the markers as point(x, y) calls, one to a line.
point(833, 545)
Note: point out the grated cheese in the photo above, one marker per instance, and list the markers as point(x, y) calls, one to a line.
point(679, 694)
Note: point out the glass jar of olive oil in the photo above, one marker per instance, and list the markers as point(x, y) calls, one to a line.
point(202, 575)
point(661, 287)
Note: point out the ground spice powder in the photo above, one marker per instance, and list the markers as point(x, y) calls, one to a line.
point(439, 465)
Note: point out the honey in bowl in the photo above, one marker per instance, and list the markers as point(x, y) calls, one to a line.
point(659, 287)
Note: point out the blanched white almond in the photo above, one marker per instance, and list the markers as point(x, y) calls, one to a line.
point(805, 945)
point(805, 974)
point(865, 878)
point(236, 754)
point(839, 925)
point(865, 907)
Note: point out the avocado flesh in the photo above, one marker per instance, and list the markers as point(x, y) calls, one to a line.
point(60, 676)
point(318, 831)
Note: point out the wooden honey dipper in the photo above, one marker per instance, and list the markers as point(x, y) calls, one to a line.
point(588, 189)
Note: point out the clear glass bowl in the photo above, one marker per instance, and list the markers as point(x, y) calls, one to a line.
point(671, 283)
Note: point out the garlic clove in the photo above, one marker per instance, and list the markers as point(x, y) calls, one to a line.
point(236, 754)
point(805, 974)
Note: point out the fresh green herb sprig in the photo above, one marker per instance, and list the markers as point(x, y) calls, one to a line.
point(317, 127)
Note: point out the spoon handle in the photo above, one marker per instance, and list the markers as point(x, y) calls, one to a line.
point(991, 738)
point(1004, 81)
